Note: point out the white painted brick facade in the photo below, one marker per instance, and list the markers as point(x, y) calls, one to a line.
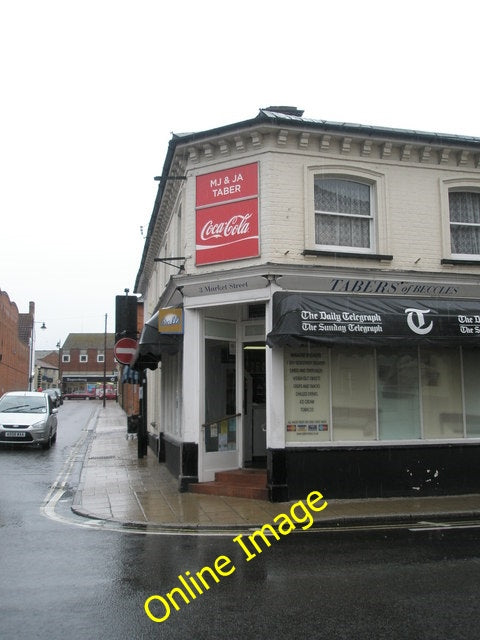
point(412, 221)
point(411, 174)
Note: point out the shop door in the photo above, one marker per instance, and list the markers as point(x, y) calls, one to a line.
point(254, 405)
point(221, 430)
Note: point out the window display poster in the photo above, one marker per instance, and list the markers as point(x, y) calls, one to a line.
point(307, 394)
point(221, 435)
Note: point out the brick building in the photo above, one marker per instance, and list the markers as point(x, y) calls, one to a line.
point(83, 360)
point(312, 305)
point(16, 334)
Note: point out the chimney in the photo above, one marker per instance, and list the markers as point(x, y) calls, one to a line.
point(287, 111)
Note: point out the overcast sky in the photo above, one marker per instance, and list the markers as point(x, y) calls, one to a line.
point(91, 92)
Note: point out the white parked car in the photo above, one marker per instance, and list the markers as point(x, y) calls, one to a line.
point(54, 396)
point(28, 417)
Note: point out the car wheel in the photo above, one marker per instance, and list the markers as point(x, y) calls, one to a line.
point(48, 443)
point(54, 438)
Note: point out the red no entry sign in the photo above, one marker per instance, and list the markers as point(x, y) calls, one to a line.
point(124, 350)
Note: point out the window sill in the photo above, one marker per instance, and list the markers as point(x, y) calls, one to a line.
point(466, 261)
point(347, 254)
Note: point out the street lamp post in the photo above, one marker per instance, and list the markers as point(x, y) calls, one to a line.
point(31, 364)
point(60, 379)
point(105, 362)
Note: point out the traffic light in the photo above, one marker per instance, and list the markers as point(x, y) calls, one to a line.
point(125, 317)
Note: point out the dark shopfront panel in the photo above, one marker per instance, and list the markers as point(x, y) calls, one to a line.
point(374, 472)
point(404, 414)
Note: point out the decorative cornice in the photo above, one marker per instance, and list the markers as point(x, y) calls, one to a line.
point(193, 154)
point(425, 154)
point(208, 151)
point(303, 140)
point(310, 141)
point(224, 147)
point(325, 143)
point(444, 155)
point(282, 137)
point(366, 148)
point(257, 139)
point(386, 151)
point(239, 143)
point(346, 145)
point(406, 152)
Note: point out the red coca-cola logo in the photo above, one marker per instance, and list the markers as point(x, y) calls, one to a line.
point(227, 232)
point(237, 225)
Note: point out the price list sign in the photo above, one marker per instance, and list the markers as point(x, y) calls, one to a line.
point(307, 393)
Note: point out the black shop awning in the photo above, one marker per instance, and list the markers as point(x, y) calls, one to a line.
point(373, 320)
point(153, 344)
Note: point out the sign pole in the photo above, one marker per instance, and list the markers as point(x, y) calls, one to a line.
point(105, 363)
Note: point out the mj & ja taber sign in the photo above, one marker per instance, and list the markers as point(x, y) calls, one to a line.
point(226, 209)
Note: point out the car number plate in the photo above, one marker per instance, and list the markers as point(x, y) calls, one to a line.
point(15, 434)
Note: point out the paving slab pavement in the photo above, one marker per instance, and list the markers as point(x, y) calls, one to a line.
point(115, 485)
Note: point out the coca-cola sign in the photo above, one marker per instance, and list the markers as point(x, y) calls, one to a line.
point(237, 226)
point(227, 232)
point(227, 215)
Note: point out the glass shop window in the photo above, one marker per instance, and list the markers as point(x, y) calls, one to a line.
point(353, 394)
point(441, 393)
point(471, 381)
point(398, 394)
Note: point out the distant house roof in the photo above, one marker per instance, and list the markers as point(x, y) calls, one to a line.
point(50, 358)
point(40, 355)
point(88, 341)
point(42, 364)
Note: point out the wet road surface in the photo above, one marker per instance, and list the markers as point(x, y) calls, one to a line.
point(61, 580)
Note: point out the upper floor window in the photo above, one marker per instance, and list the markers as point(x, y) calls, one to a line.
point(343, 214)
point(66, 357)
point(83, 357)
point(464, 223)
point(100, 357)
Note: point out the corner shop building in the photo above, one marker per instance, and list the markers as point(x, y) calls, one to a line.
point(353, 370)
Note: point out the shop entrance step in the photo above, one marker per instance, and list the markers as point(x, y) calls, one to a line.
point(237, 483)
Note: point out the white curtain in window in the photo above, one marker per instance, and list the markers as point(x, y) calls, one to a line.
point(342, 231)
point(465, 222)
point(352, 201)
point(342, 196)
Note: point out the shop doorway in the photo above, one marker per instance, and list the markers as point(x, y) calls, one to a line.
point(254, 406)
point(233, 433)
point(221, 428)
